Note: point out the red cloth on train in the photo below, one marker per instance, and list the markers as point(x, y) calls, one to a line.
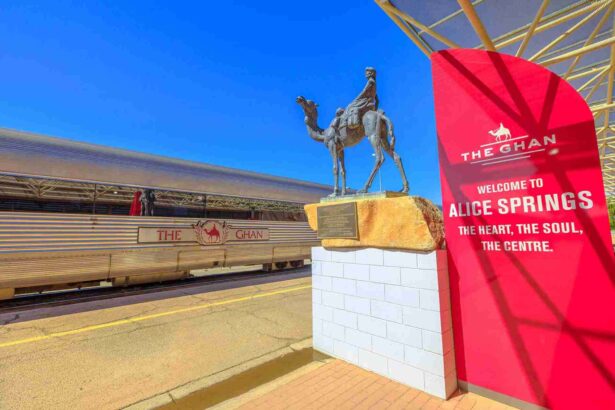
point(135, 207)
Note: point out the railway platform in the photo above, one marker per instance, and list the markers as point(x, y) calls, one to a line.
point(235, 344)
point(113, 353)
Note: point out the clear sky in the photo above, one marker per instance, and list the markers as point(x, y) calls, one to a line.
point(216, 81)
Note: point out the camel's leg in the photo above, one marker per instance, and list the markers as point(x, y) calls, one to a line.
point(343, 169)
point(333, 151)
point(376, 142)
point(398, 163)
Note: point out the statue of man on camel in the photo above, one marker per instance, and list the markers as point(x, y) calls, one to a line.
point(361, 118)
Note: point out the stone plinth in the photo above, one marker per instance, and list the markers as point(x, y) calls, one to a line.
point(404, 222)
point(388, 312)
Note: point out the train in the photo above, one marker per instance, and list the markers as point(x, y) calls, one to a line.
point(67, 221)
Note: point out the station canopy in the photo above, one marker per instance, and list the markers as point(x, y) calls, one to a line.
point(575, 39)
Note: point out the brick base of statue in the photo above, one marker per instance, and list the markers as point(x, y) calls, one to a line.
point(387, 311)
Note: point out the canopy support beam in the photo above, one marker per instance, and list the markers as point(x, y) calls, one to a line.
point(477, 24)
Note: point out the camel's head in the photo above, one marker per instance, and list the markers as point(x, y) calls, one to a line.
point(310, 108)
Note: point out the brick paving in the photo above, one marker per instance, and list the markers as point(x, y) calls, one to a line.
point(340, 385)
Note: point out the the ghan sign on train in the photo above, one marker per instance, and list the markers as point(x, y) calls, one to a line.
point(208, 232)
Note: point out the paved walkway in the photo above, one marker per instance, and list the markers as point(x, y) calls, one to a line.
point(339, 385)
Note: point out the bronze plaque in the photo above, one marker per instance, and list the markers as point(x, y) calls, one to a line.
point(338, 221)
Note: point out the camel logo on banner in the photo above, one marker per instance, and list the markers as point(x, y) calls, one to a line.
point(508, 149)
point(211, 232)
point(498, 133)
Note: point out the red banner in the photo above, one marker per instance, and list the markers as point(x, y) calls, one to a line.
point(530, 254)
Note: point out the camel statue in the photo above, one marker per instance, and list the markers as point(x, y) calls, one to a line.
point(373, 124)
point(499, 132)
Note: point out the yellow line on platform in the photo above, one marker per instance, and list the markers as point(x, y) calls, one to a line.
point(152, 316)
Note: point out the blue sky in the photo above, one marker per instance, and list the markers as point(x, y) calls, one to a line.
point(216, 81)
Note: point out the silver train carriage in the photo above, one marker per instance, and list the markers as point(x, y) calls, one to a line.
point(64, 215)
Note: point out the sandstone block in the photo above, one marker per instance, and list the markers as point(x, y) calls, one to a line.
point(405, 222)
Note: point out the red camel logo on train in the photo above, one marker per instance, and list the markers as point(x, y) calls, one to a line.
point(215, 234)
point(212, 233)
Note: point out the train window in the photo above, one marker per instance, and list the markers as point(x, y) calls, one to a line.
point(25, 194)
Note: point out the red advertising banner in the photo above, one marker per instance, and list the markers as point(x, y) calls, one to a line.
point(530, 254)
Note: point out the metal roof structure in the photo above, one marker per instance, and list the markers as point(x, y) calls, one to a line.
point(574, 39)
point(33, 158)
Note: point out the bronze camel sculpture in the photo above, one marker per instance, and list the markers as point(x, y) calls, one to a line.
point(373, 124)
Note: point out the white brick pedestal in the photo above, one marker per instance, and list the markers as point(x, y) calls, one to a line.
point(387, 312)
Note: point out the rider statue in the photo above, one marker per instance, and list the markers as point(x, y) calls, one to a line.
point(367, 100)
point(361, 119)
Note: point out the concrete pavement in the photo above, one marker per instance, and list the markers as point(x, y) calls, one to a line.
point(111, 355)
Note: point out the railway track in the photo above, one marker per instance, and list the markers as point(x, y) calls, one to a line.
point(61, 298)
